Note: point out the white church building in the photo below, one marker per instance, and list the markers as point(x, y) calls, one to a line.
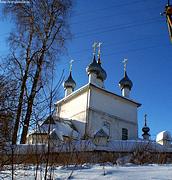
point(94, 112)
point(92, 108)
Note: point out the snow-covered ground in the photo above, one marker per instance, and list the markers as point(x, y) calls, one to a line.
point(87, 171)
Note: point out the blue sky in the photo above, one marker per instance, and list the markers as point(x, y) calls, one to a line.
point(130, 29)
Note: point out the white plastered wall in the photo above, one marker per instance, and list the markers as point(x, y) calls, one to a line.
point(74, 108)
point(119, 113)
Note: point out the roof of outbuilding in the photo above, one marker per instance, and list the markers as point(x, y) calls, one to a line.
point(59, 128)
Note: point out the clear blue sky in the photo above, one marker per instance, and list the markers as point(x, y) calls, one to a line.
point(130, 29)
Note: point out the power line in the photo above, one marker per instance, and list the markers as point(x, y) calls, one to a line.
point(121, 42)
point(111, 15)
point(116, 28)
point(112, 6)
point(130, 51)
point(138, 49)
point(121, 25)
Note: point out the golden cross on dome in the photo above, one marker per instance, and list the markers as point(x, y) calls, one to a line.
point(125, 64)
point(99, 45)
point(70, 68)
point(94, 47)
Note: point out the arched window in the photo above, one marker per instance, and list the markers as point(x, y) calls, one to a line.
point(124, 133)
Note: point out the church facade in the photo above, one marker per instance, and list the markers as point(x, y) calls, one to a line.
point(93, 112)
point(94, 109)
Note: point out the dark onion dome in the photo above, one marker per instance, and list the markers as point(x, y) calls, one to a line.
point(69, 83)
point(145, 129)
point(102, 74)
point(125, 82)
point(93, 67)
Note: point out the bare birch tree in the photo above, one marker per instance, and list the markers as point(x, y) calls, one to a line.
point(39, 37)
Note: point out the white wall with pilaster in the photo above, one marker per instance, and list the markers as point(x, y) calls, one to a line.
point(96, 81)
point(97, 106)
point(74, 107)
point(118, 112)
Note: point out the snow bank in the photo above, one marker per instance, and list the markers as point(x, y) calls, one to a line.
point(93, 172)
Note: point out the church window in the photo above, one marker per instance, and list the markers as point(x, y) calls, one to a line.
point(124, 134)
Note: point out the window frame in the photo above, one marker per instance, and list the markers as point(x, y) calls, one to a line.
point(124, 134)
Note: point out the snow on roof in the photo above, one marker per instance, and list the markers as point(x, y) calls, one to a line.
point(164, 135)
point(58, 129)
point(133, 145)
point(88, 145)
point(75, 146)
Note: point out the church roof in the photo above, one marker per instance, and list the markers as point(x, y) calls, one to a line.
point(93, 67)
point(102, 74)
point(87, 86)
point(125, 82)
point(69, 82)
point(58, 129)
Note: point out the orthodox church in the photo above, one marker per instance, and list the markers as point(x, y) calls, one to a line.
point(92, 111)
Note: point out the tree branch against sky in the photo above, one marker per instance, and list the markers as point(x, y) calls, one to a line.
point(40, 34)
